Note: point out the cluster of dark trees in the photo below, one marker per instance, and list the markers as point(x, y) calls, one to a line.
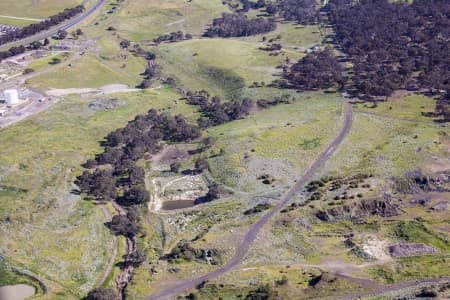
point(305, 12)
point(262, 292)
point(236, 25)
point(41, 26)
point(126, 225)
point(283, 99)
point(102, 294)
point(184, 251)
point(316, 70)
point(21, 49)
point(172, 37)
point(151, 71)
point(114, 175)
point(394, 45)
point(272, 47)
point(214, 111)
point(116, 167)
point(257, 209)
point(247, 5)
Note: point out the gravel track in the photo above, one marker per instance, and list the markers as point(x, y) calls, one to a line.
point(255, 228)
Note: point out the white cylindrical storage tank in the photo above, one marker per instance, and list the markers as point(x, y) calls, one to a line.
point(11, 97)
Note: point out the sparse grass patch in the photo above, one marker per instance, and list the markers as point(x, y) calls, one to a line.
point(410, 268)
point(383, 147)
point(418, 232)
point(269, 142)
point(86, 72)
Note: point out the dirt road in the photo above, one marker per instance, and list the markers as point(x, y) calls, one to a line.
point(112, 260)
point(255, 228)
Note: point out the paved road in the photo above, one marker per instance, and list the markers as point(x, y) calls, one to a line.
point(65, 26)
point(255, 228)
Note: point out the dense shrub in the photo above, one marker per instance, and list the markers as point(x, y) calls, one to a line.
point(235, 25)
point(216, 112)
point(316, 70)
point(102, 294)
point(394, 45)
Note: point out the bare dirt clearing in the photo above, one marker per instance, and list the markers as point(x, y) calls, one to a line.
point(104, 90)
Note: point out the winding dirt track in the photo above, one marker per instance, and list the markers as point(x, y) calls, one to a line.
point(112, 259)
point(243, 248)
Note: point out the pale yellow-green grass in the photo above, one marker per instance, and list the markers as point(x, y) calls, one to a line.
point(43, 63)
point(409, 106)
point(16, 22)
point(143, 20)
point(53, 233)
point(411, 268)
point(189, 61)
point(384, 147)
point(281, 141)
point(292, 37)
point(86, 72)
point(35, 9)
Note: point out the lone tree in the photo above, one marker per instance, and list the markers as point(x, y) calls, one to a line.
point(102, 294)
point(201, 164)
point(136, 195)
point(175, 167)
point(213, 192)
point(124, 225)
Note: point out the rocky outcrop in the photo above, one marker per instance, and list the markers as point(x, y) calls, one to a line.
point(443, 205)
point(407, 249)
point(359, 210)
point(416, 182)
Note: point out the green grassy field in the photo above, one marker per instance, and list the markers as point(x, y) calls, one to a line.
point(292, 37)
point(409, 106)
point(40, 158)
point(191, 63)
point(35, 9)
point(143, 20)
point(16, 22)
point(44, 63)
point(272, 142)
point(86, 72)
point(384, 147)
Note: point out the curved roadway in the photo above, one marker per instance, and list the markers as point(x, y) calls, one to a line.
point(50, 32)
point(243, 248)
